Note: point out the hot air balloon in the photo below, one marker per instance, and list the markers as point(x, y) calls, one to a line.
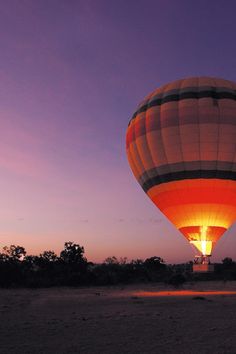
point(181, 147)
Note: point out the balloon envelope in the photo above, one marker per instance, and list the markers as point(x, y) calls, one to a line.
point(181, 146)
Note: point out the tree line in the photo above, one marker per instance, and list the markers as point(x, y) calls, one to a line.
point(71, 268)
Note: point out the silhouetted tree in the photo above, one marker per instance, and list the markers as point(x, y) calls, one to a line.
point(111, 260)
point(73, 264)
point(4, 257)
point(15, 253)
point(155, 268)
point(49, 256)
point(154, 263)
point(227, 262)
point(72, 268)
point(11, 270)
point(73, 253)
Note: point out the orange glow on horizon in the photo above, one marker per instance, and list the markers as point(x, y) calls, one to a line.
point(182, 293)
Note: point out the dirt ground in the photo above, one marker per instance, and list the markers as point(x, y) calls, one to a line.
point(132, 319)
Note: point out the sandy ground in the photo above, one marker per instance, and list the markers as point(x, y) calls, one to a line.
point(134, 319)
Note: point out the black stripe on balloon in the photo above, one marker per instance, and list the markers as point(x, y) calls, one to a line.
point(181, 175)
point(184, 96)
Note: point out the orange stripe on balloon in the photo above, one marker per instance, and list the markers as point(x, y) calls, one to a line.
point(201, 215)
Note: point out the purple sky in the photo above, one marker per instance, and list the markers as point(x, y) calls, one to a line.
point(71, 75)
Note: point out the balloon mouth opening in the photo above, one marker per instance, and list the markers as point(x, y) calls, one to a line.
point(203, 238)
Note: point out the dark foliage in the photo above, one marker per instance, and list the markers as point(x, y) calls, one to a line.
point(71, 268)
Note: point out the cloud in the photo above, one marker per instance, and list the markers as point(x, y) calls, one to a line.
point(119, 220)
point(84, 220)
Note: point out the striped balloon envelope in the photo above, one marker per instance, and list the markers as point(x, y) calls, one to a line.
point(181, 147)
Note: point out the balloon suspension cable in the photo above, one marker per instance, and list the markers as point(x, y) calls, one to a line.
point(202, 259)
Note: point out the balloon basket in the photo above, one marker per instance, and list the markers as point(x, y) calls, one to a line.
point(203, 268)
point(202, 264)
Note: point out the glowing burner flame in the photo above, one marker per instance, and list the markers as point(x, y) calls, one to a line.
point(203, 245)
